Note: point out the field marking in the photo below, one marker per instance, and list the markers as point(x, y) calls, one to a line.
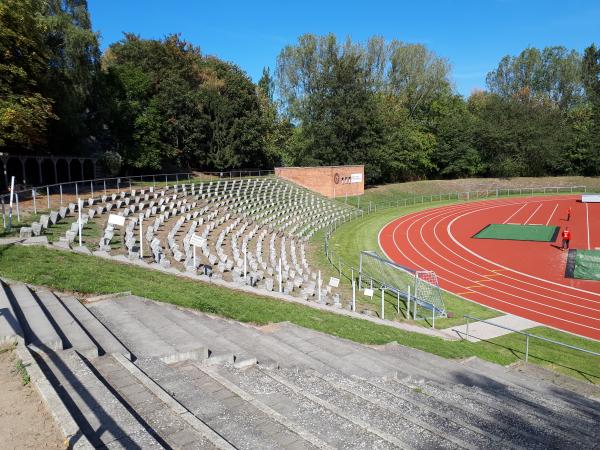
point(496, 300)
point(587, 224)
point(553, 211)
point(470, 209)
point(518, 272)
point(513, 214)
point(468, 278)
point(533, 214)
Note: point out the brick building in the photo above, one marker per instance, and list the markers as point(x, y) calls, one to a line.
point(330, 181)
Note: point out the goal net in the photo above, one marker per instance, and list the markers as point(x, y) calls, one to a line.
point(376, 271)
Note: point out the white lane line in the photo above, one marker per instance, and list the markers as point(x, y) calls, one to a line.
point(532, 214)
point(587, 223)
point(500, 266)
point(515, 213)
point(553, 211)
point(437, 218)
point(465, 210)
point(498, 300)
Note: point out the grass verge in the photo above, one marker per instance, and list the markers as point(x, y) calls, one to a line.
point(67, 271)
point(362, 234)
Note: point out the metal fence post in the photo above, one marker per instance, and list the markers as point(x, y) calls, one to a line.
point(17, 202)
point(353, 295)
point(382, 303)
point(104, 187)
point(467, 328)
point(48, 195)
point(33, 196)
point(76, 190)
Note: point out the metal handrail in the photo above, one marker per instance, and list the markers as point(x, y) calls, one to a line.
point(527, 336)
point(470, 195)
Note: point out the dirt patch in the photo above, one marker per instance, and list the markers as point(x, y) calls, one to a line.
point(24, 420)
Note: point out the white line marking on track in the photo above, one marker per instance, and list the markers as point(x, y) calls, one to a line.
point(532, 214)
point(553, 211)
point(515, 305)
point(515, 213)
point(587, 223)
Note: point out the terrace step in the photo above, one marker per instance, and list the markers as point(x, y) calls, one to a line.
point(161, 412)
point(38, 329)
point(336, 430)
point(99, 411)
point(67, 327)
point(234, 418)
point(100, 335)
point(10, 327)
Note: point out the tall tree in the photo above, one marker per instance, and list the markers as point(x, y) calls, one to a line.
point(591, 81)
point(552, 74)
point(24, 110)
point(72, 75)
point(175, 107)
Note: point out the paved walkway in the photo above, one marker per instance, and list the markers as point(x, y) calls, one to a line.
point(482, 331)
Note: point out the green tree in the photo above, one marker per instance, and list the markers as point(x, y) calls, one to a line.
point(71, 76)
point(591, 82)
point(174, 107)
point(552, 74)
point(24, 110)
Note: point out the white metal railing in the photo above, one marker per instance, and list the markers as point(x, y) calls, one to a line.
point(51, 195)
point(527, 336)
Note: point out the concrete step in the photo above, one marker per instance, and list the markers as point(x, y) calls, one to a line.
point(97, 408)
point(100, 335)
point(10, 328)
point(340, 354)
point(539, 391)
point(38, 329)
point(472, 417)
point(535, 431)
point(235, 419)
point(142, 341)
point(402, 431)
point(336, 430)
point(168, 420)
point(71, 333)
point(568, 429)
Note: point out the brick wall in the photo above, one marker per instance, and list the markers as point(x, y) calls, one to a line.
point(330, 181)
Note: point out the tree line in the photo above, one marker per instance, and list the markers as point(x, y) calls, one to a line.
point(160, 104)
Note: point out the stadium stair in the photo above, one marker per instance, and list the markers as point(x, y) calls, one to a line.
point(135, 373)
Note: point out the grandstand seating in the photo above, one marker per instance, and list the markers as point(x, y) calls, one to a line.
point(265, 221)
point(128, 372)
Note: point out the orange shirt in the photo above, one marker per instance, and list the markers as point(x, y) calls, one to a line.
point(566, 235)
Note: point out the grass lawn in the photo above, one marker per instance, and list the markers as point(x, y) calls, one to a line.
point(401, 191)
point(83, 274)
point(361, 234)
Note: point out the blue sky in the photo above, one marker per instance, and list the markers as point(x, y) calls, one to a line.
point(472, 35)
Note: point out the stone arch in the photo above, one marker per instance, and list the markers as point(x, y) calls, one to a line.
point(75, 168)
point(32, 172)
point(62, 169)
point(88, 169)
point(48, 171)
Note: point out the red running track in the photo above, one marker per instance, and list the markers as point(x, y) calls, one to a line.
point(522, 278)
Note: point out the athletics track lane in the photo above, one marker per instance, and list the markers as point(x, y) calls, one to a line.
point(522, 278)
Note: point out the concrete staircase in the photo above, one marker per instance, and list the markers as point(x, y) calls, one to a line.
point(134, 373)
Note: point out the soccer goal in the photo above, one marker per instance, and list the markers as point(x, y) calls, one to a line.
point(378, 272)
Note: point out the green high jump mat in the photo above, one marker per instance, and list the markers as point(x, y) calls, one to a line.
point(516, 232)
point(583, 264)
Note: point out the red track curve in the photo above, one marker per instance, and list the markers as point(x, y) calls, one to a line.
point(522, 278)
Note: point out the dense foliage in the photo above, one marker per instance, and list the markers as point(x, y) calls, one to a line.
point(151, 105)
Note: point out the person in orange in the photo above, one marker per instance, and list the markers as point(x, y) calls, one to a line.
point(566, 237)
point(569, 214)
